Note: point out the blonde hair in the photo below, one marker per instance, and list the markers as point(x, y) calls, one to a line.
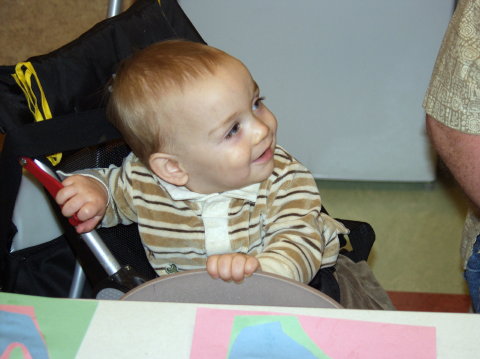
point(140, 91)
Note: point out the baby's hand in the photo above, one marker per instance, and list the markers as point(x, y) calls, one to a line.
point(232, 266)
point(85, 197)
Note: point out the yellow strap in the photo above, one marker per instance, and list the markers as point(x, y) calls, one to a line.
point(24, 72)
point(23, 76)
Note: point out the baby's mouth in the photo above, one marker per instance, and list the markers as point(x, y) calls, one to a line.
point(265, 156)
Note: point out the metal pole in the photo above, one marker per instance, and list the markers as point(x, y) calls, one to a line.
point(114, 7)
point(78, 282)
point(101, 252)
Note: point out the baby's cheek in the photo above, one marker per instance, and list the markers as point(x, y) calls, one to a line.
point(239, 160)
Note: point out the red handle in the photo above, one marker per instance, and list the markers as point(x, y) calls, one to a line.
point(49, 181)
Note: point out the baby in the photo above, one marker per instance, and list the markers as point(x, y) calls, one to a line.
point(206, 181)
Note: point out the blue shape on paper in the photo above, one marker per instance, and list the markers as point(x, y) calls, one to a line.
point(20, 328)
point(267, 341)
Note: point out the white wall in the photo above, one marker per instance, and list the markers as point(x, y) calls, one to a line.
point(346, 78)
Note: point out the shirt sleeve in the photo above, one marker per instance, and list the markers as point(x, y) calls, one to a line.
point(118, 183)
point(453, 96)
point(299, 239)
point(121, 209)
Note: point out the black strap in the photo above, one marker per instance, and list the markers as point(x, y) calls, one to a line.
point(64, 133)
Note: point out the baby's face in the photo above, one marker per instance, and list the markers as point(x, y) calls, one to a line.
point(225, 136)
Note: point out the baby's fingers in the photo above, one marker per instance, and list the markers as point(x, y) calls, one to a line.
point(237, 270)
point(212, 266)
point(252, 265)
point(88, 211)
point(64, 194)
point(71, 205)
point(88, 225)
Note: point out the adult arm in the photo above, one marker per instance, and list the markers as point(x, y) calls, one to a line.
point(461, 154)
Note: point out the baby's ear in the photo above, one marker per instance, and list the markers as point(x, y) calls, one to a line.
point(168, 168)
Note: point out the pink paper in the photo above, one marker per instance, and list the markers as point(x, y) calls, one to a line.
point(338, 338)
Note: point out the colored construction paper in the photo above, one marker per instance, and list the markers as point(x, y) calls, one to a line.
point(270, 336)
point(62, 322)
point(20, 334)
point(337, 338)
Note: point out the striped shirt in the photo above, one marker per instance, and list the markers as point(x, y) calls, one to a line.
point(278, 220)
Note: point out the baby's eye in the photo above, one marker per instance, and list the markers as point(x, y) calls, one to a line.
point(233, 131)
point(258, 103)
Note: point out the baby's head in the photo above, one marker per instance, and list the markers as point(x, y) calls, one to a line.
point(145, 85)
point(193, 115)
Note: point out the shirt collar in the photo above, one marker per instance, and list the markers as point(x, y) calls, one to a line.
point(182, 193)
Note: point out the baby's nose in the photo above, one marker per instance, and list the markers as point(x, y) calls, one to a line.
point(260, 130)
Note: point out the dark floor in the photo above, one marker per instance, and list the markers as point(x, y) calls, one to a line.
point(431, 302)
